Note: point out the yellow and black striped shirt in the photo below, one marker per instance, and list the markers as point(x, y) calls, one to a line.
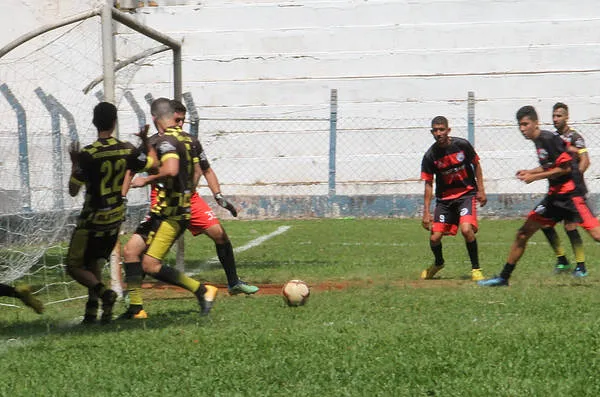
point(102, 167)
point(174, 193)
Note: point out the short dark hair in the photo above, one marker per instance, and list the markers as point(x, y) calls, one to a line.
point(439, 120)
point(161, 107)
point(527, 111)
point(105, 116)
point(560, 105)
point(178, 107)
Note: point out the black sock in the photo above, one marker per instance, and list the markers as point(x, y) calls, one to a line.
point(473, 254)
point(227, 259)
point(437, 253)
point(507, 271)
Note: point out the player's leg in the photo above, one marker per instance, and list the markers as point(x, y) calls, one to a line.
point(167, 232)
point(586, 219)
point(517, 249)
point(204, 221)
point(22, 292)
point(578, 250)
point(226, 256)
point(435, 244)
point(468, 227)
point(445, 222)
point(132, 264)
point(562, 263)
point(85, 249)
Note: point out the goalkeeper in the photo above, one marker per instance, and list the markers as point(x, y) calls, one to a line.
point(203, 219)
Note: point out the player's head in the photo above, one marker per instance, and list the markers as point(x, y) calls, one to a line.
point(180, 111)
point(528, 122)
point(162, 113)
point(105, 116)
point(560, 116)
point(440, 130)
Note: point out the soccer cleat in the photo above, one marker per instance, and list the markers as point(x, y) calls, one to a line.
point(91, 312)
point(578, 273)
point(561, 268)
point(131, 315)
point(24, 294)
point(109, 297)
point(431, 271)
point(242, 287)
point(207, 299)
point(88, 319)
point(477, 275)
point(493, 282)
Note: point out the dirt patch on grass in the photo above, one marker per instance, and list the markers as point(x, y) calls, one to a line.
point(165, 291)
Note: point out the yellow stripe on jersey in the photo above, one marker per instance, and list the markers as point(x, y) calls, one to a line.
point(580, 151)
point(169, 156)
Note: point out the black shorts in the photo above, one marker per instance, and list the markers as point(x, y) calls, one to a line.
point(569, 208)
point(91, 248)
point(160, 233)
point(448, 214)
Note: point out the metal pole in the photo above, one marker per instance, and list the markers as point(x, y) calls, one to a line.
point(177, 73)
point(23, 146)
point(332, 140)
point(108, 62)
point(471, 117)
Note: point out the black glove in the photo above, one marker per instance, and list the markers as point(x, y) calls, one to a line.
point(225, 204)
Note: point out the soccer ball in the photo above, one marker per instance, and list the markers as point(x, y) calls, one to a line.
point(295, 292)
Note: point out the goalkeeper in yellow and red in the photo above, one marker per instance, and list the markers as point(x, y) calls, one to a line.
point(101, 167)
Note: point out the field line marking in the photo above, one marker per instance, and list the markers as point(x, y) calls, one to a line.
point(251, 244)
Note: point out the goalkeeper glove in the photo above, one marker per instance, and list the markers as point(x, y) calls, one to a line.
point(225, 204)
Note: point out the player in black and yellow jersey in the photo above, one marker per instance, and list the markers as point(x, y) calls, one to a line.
point(168, 217)
point(101, 168)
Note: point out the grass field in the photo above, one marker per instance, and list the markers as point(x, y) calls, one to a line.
point(386, 333)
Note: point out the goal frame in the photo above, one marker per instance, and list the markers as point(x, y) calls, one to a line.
point(108, 15)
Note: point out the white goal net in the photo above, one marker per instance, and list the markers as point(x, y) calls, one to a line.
point(48, 88)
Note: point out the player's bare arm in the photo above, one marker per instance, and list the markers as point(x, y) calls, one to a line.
point(215, 188)
point(427, 196)
point(74, 154)
point(169, 168)
point(546, 174)
point(480, 196)
point(584, 161)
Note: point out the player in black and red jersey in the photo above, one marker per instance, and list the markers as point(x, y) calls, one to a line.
point(458, 186)
point(581, 161)
point(563, 202)
point(101, 167)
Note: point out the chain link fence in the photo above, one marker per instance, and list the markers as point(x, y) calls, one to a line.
point(372, 156)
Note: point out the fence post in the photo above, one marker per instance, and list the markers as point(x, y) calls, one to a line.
point(332, 141)
point(471, 117)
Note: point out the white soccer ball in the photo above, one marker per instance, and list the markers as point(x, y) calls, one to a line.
point(295, 292)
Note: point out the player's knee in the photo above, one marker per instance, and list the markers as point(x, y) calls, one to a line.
point(522, 235)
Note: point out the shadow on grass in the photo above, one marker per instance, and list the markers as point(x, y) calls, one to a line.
point(50, 326)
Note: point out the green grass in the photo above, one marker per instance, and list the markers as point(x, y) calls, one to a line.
point(389, 334)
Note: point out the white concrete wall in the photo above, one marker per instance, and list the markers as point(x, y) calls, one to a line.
point(389, 60)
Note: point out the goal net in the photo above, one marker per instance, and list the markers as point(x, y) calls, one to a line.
point(49, 85)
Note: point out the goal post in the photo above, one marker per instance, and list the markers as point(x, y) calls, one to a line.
point(47, 80)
